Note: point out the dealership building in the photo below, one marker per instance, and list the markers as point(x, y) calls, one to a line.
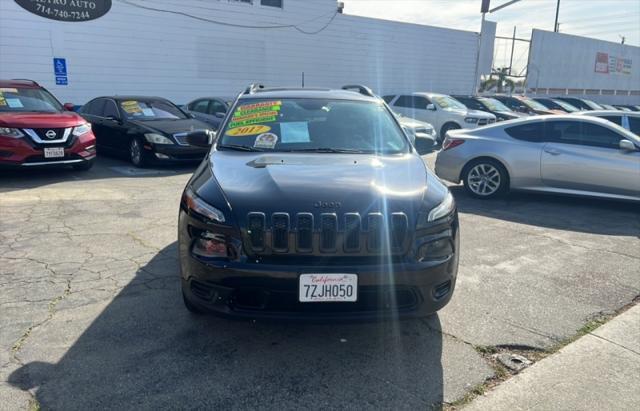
point(183, 49)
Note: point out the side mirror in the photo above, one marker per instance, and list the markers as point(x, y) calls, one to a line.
point(627, 145)
point(68, 106)
point(201, 138)
point(431, 107)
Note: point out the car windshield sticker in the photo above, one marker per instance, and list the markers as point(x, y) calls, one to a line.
point(131, 107)
point(263, 112)
point(148, 112)
point(8, 90)
point(441, 102)
point(3, 102)
point(14, 102)
point(266, 140)
point(248, 130)
point(295, 132)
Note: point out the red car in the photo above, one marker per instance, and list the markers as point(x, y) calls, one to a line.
point(36, 130)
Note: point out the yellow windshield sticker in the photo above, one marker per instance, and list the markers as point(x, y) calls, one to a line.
point(3, 102)
point(8, 90)
point(131, 106)
point(248, 130)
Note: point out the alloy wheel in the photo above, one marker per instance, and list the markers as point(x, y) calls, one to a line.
point(135, 152)
point(484, 179)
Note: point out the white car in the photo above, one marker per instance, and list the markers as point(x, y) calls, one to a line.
point(443, 112)
point(629, 120)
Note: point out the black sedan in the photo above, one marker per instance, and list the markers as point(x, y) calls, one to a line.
point(211, 110)
point(145, 129)
point(489, 105)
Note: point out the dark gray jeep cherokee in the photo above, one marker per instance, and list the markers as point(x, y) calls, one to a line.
point(314, 205)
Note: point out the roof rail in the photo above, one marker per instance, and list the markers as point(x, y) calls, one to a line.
point(360, 89)
point(252, 88)
point(24, 79)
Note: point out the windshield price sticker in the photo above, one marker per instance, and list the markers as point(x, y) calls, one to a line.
point(3, 102)
point(264, 112)
point(248, 130)
point(131, 106)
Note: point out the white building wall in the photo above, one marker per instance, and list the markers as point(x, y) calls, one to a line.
point(136, 51)
point(566, 64)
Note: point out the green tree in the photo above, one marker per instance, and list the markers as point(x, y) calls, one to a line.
point(500, 82)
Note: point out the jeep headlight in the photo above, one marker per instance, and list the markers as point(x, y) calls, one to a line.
point(10, 132)
point(81, 129)
point(157, 138)
point(198, 206)
point(471, 120)
point(443, 209)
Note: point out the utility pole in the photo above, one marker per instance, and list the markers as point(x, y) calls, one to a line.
point(513, 45)
point(555, 26)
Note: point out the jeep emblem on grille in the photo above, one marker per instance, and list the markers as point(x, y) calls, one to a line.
point(327, 204)
point(50, 134)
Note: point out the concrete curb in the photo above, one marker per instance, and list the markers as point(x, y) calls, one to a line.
point(598, 371)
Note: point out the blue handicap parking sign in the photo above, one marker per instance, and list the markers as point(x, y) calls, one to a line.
point(61, 80)
point(60, 66)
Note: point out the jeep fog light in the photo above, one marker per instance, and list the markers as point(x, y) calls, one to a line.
point(210, 245)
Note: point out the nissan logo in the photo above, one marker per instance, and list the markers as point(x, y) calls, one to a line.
point(50, 134)
point(327, 204)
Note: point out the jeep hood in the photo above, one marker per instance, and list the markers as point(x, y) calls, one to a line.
point(296, 182)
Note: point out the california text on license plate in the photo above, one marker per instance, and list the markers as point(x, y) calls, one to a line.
point(53, 152)
point(328, 287)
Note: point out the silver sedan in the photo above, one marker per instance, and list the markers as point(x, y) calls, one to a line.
point(567, 154)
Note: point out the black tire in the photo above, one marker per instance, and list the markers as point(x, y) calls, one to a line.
point(444, 129)
point(485, 178)
point(190, 306)
point(137, 154)
point(84, 166)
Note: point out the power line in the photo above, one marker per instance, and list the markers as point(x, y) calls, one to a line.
point(223, 23)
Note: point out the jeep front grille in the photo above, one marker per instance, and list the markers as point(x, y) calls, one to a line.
point(326, 233)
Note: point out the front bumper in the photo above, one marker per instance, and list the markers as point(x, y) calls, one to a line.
point(23, 153)
point(176, 153)
point(248, 289)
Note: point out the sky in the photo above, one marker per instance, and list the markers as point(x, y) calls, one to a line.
point(601, 19)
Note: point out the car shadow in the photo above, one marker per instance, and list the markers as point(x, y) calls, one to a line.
point(579, 214)
point(104, 168)
point(145, 351)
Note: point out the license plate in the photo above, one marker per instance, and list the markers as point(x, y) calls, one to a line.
point(328, 287)
point(53, 152)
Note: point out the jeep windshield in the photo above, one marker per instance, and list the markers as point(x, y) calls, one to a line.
point(312, 125)
point(28, 100)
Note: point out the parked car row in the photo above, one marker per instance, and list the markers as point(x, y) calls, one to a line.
point(37, 130)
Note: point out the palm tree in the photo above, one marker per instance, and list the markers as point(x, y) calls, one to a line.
point(499, 83)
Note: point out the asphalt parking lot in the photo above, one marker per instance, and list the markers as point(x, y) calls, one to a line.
point(91, 313)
